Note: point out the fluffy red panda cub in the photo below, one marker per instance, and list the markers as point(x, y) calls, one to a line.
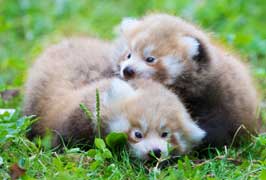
point(69, 73)
point(214, 85)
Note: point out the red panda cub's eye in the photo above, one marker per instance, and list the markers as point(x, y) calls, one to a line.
point(150, 59)
point(129, 56)
point(138, 135)
point(164, 134)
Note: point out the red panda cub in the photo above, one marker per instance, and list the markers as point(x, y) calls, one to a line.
point(69, 73)
point(214, 85)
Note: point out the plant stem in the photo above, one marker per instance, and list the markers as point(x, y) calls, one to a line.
point(98, 113)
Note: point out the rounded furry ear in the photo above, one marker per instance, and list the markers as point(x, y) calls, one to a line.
point(195, 133)
point(191, 134)
point(128, 23)
point(119, 90)
point(192, 131)
point(196, 49)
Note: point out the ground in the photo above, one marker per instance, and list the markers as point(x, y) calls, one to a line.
point(28, 26)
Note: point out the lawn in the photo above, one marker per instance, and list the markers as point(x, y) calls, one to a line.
point(29, 26)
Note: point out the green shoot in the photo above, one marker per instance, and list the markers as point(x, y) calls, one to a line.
point(87, 112)
point(98, 115)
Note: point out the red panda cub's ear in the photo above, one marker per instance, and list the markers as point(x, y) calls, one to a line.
point(196, 50)
point(118, 90)
point(192, 131)
point(128, 24)
point(195, 133)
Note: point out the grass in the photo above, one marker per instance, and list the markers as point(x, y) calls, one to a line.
point(28, 26)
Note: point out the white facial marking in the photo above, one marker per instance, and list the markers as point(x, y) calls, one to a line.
point(147, 50)
point(182, 143)
point(162, 123)
point(142, 148)
point(119, 124)
point(125, 64)
point(119, 90)
point(128, 23)
point(174, 68)
point(144, 125)
point(192, 45)
point(139, 66)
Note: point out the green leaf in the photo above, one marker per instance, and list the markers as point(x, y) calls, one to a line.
point(74, 150)
point(92, 152)
point(107, 154)
point(116, 139)
point(99, 143)
point(263, 175)
point(99, 157)
point(95, 165)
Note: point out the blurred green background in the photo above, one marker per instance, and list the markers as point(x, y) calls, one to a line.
point(28, 26)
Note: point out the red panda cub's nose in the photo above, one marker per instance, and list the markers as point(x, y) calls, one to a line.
point(155, 152)
point(128, 72)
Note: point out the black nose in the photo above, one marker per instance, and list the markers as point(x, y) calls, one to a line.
point(155, 152)
point(128, 72)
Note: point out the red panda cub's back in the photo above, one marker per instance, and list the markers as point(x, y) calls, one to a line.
point(69, 73)
point(59, 72)
point(214, 85)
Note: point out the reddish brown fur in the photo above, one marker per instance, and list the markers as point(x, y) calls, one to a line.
point(58, 83)
point(218, 90)
point(69, 73)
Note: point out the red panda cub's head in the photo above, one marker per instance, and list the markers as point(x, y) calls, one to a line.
point(153, 118)
point(159, 47)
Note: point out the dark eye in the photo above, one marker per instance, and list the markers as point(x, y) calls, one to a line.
point(129, 56)
point(164, 134)
point(138, 135)
point(150, 59)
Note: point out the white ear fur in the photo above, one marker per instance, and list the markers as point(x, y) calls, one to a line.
point(192, 45)
point(118, 90)
point(195, 133)
point(128, 23)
